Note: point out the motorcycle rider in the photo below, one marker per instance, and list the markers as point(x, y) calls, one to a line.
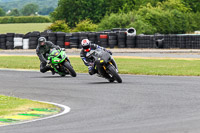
point(42, 50)
point(86, 47)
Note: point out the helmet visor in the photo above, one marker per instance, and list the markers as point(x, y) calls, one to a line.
point(86, 47)
point(42, 43)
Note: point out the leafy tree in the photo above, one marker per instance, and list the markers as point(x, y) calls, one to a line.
point(2, 12)
point(115, 6)
point(29, 9)
point(74, 11)
point(14, 12)
point(193, 4)
point(175, 4)
point(116, 20)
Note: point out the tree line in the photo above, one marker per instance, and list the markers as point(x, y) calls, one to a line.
point(148, 16)
point(27, 10)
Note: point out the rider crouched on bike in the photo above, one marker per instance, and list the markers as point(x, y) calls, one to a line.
point(42, 51)
point(86, 47)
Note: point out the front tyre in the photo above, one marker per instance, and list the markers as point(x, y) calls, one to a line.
point(70, 69)
point(114, 73)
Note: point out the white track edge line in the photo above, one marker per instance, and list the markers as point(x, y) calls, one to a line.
point(66, 110)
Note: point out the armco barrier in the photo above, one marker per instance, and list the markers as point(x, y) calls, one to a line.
point(114, 38)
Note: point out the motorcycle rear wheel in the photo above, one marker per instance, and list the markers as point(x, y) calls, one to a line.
point(70, 69)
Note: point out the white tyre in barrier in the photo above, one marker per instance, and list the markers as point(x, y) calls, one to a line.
point(25, 43)
point(17, 39)
point(131, 32)
point(197, 32)
point(18, 42)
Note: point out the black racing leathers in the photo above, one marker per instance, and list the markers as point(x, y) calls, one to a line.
point(83, 53)
point(42, 52)
point(88, 62)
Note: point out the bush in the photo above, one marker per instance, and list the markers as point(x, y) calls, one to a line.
point(142, 26)
point(85, 25)
point(165, 21)
point(59, 25)
point(193, 21)
point(119, 20)
point(167, 17)
point(24, 19)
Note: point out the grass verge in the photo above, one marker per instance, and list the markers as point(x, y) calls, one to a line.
point(172, 67)
point(23, 27)
point(13, 105)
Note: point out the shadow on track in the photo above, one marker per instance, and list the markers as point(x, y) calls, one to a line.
point(102, 83)
point(52, 77)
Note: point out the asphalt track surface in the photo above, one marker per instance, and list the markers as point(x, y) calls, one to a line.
point(141, 104)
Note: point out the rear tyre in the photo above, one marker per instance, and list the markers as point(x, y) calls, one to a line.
point(70, 69)
point(114, 74)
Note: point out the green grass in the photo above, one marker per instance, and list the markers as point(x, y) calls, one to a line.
point(23, 28)
point(13, 105)
point(126, 66)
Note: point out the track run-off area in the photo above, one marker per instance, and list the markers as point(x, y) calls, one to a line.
point(141, 104)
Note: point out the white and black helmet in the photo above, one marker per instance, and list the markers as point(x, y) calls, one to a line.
point(42, 40)
point(85, 44)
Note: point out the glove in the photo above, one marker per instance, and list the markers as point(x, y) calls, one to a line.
point(91, 64)
point(109, 52)
point(48, 62)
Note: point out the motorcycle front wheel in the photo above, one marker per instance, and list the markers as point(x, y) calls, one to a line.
point(114, 73)
point(69, 69)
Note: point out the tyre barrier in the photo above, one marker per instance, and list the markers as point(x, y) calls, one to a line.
point(112, 39)
point(10, 41)
point(3, 41)
point(115, 38)
point(67, 40)
point(60, 39)
point(122, 39)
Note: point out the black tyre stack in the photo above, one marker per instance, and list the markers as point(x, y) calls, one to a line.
point(74, 40)
point(3, 41)
point(103, 40)
point(33, 39)
point(10, 40)
point(198, 40)
point(92, 37)
point(194, 42)
point(173, 42)
point(167, 41)
point(61, 39)
point(112, 39)
point(52, 37)
point(67, 40)
point(82, 35)
point(121, 39)
point(131, 41)
point(159, 41)
point(148, 41)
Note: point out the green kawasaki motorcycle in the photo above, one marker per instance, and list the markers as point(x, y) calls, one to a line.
point(61, 63)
